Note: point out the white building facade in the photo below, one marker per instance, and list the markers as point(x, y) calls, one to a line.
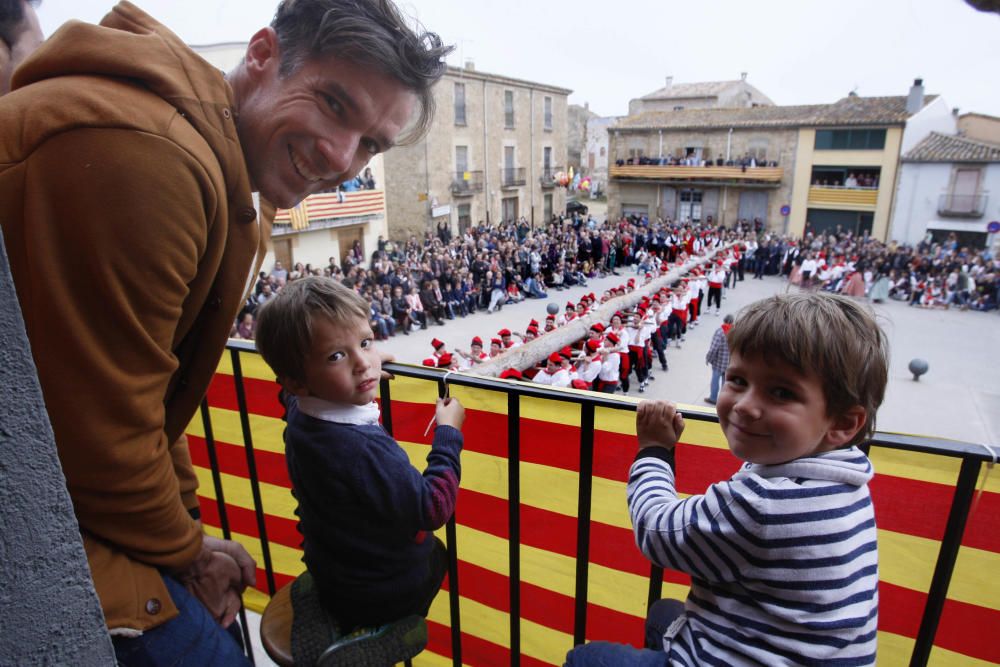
point(948, 184)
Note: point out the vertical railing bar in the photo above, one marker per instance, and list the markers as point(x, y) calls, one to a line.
point(258, 507)
point(947, 555)
point(655, 571)
point(245, 630)
point(514, 522)
point(453, 605)
point(213, 461)
point(385, 403)
point(655, 585)
point(453, 594)
point(583, 521)
point(220, 502)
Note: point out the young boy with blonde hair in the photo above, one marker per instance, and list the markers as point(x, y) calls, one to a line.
point(364, 511)
point(783, 556)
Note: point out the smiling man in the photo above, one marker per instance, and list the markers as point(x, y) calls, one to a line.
point(132, 174)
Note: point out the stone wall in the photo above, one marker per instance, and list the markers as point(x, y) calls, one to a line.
point(49, 612)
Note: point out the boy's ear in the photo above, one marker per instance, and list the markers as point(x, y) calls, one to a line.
point(294, 387)
point(845, 426)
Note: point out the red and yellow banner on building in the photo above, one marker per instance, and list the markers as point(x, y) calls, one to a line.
point(912, 494)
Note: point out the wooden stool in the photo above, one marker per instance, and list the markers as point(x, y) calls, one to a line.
point(276, 627)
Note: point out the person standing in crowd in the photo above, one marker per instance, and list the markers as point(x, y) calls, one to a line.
point(152, 160)
point(718, 358)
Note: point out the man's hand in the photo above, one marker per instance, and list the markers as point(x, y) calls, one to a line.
point(449, 412)
point(218, 577)
point(658, 424)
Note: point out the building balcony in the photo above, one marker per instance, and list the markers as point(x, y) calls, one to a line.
point(961, 206)
point(329, 209)
point(707, 175)
point(512, 177)
point(840, 197)
point(548, 177)
point(542, 555)
point(466, 183)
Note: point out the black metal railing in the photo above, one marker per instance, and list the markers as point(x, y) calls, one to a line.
point(962, 206)
point(511, 177)
point(548, 177)
point(972, 457)
point(466, 183)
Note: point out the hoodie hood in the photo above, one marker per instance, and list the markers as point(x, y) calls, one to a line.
point(845, 466)
point(130, 44)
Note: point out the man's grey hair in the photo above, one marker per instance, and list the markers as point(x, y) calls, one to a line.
point(11, 16)
point(364, 32)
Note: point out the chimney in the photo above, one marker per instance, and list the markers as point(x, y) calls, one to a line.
point(586, 106)
point(954, 112)
point(670, 82)
point(915, 100)
point(743, 76)
point(470, 65)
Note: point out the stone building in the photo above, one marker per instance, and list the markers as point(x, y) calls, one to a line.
point(596, 151)
point(980, 127)
point(492, 153)
point(797, 168)
point(577, 124)
point(736, 94)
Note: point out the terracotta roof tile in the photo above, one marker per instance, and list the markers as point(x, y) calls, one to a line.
point(848, 111)
point(937, 147)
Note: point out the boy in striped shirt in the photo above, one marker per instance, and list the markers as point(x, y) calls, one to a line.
point(783, 556)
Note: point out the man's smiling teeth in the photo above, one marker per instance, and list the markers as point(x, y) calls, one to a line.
point(301, 167)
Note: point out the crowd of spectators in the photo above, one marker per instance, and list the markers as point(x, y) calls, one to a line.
point(859, 180)
point(928, 274)
point(692, 159)
point(419, 282)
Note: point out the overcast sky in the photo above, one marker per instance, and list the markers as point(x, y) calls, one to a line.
point(794, 51)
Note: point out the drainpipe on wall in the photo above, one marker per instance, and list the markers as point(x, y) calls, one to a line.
point(486, 157)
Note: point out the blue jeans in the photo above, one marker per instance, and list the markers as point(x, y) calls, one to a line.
point(193, 638)
point(608, 654)
point(713, 389)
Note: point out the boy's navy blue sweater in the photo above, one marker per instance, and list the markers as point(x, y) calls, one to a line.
point(365, 512)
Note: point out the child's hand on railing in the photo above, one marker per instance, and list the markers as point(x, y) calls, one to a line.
point(658, 424)
point(449, 412)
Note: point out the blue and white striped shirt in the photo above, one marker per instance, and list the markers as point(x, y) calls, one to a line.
point(783, 560)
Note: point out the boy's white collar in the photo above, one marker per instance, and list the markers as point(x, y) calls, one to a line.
point(339, 413)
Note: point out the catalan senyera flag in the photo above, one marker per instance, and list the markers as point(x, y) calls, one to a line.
point(912, 494)
point(330, 205)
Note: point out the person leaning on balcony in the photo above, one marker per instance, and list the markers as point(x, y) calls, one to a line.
point(118, 142)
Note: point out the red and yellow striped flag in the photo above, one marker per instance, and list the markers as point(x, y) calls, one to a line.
point(912, 494)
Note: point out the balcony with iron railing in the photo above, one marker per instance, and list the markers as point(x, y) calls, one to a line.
point(708, 174)
point(962, 206)
point(512, 177)
point(541, 554)
point(548, 176)
point(466, 183)
point(841, 197)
